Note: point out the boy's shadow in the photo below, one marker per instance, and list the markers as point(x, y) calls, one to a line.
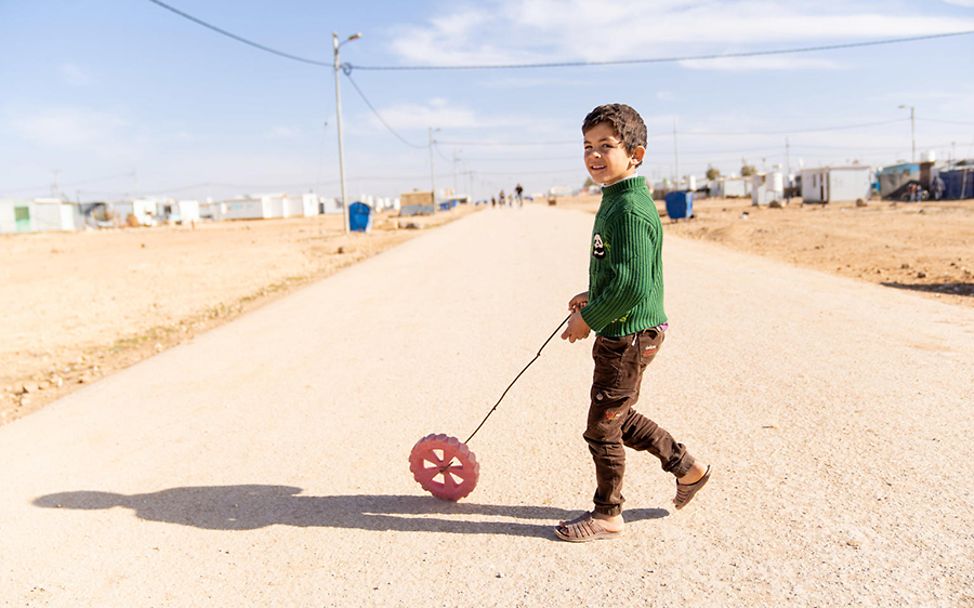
point(248, 507)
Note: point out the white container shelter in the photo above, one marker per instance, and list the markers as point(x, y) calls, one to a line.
point(733, 187)
point(767, 188)
point(189, 211)
point(8, 216)
point(309, 204)
point(834, 184)
point(52, 214)
point(246, 208)
point(145, 210)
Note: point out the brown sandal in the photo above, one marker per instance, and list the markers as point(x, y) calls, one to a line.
point(685, 492)
point(585, 528)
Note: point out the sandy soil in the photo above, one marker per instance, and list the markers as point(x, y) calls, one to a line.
point(924, 247)
point(77, 306)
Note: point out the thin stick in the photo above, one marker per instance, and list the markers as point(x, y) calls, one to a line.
point(515, 379)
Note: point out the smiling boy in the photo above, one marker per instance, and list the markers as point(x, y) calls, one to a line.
point(624, 305)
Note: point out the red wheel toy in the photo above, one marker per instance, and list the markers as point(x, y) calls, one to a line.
point(445, 468)
point(444, 465)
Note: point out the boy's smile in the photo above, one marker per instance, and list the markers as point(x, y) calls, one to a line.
point(606, 157)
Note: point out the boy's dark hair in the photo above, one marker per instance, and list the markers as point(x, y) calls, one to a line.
point(625, 121)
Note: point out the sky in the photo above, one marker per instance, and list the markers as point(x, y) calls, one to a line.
point(107, 99)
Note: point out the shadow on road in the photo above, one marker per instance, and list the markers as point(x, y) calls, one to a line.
point(953, 288)
point(248, 507)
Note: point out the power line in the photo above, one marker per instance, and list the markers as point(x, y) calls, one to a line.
point(663, 135)
point(73, 185)
point(441, 155)
point(570, 64)
point(562, 64)
point(510, 143)
point(794, 131)
point(239, 38)
point(520, 159)
point(376, 112)
point(515, 172)
point(949, 122)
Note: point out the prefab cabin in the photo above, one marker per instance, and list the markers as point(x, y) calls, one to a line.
point(833, 184)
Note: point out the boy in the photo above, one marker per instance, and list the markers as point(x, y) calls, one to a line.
point(624, 305)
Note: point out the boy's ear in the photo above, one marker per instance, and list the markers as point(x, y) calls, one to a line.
point(638, 153)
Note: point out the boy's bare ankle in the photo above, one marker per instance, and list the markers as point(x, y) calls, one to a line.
point(694, 475)
point(615, 523)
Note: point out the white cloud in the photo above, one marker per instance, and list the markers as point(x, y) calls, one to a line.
point(964, 3)
point(527, 82)
point(74, 75)
point(625, 29)
point(446, 40)
point(437, 113)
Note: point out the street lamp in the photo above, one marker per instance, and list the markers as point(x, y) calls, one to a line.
point(913, 132)
point(432, 171)
point(338, 113)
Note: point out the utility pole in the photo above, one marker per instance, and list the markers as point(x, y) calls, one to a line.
point(913, 131)
point(55, 188)
point(432, 171)
point(456, 160)
point(787, 171)
point(676, 157)
point(338, 114)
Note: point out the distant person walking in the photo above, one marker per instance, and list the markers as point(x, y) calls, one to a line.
point(502, 198)
point(519, 194)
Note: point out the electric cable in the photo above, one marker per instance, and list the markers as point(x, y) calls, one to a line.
point(569, 64)
point(73, 185)
point(239, 38)
point(439, 153)
point(348, 75)
point(668, 134)
point(949, 122)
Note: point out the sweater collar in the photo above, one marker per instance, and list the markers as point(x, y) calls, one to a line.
point(627, 185)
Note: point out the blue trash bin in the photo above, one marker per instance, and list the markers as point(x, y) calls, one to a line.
point(679, 205)
point(359, 217)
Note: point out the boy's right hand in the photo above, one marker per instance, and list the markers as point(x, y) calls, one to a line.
point(578, 302)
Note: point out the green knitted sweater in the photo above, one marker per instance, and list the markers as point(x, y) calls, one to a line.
point(625, 284)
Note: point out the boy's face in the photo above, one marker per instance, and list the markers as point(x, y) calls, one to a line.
point(606, 157)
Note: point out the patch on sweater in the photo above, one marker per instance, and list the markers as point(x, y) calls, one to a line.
point(598, 247)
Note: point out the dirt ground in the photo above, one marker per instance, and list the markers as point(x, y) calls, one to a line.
point(926, 247)
point(77, 306)
point(265, 463)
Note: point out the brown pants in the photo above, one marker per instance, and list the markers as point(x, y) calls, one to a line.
point(613, 423)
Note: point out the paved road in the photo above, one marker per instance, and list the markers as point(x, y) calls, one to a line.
point(265, 462)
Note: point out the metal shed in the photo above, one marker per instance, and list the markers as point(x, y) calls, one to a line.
point(891, 178)
point(958, 182)
point(832, 184)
